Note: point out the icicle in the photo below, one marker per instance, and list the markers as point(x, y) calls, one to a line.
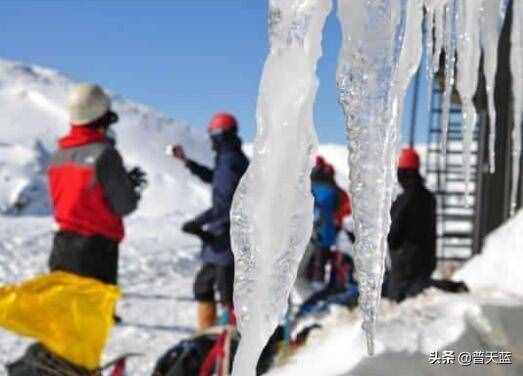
point(434, 28)
point(271, 216)
point(450, 63)
point(429, 47)
point(374, 71)
point(492, 18)
point(439, 29)
point(516, 65)
point(469, 53)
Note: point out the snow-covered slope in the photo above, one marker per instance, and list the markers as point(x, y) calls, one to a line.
point(157, 261)
point(500, 265)
point(33, 115)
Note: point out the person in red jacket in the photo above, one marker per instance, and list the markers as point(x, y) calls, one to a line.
point(90, 190)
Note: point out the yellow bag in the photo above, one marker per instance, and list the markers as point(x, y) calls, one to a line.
point(68, 314)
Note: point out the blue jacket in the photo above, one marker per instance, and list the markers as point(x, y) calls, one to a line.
point(325, 203)
point(230, 165)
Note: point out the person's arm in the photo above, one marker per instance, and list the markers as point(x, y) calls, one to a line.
point(116, 185)
point(226, 181)
point(203, 172)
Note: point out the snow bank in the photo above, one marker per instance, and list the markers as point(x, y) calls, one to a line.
point(33, 112)
point(406, 334)
point(490, 318)
point(500, 265)
point(22, 185)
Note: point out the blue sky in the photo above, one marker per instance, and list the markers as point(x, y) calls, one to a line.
point(187, 58)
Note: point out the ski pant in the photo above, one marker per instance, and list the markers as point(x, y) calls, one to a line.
point(317, 263)
point(88, 256)
point(213, 278)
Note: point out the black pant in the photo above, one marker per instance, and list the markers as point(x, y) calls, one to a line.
point(38, 361)
point(211, 278)
point(316, 268)
point(87, 256)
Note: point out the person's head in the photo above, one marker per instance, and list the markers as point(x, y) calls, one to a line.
point(321, 170)
point(408, 167)
point(222, 129)
point(330, 172)
point(89, 106)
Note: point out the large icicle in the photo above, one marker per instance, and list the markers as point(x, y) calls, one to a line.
point(469, 54)
point(516, 65)
point(492, 18)
point(271, 217)
point(374, 71)
point(450, 64)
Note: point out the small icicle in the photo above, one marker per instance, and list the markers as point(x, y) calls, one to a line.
point(450, 63)
point(491, 22)
point(469, 53)
point(439, 32)
point(374, 70)
point(516, 66)
point(434, 28)
point(429, 48)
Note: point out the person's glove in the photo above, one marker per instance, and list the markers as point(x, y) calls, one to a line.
point(351, 236)
point(177, 152)
point(138, 179)
point(194, 228)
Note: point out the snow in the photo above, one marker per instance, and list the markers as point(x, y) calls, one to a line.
point(33, 102)
point(500, 264)
point(489, 318)
point(22, 184)
point(271, 216)
point(156, 267)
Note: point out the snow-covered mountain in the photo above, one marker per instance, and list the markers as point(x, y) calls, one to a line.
point(33, 115)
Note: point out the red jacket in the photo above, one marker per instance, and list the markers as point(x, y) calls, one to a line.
point(89, 187)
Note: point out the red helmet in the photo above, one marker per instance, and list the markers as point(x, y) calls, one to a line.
point(222, 122)
point(409, 159)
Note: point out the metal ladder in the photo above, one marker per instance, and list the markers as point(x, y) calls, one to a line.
point(445, 176)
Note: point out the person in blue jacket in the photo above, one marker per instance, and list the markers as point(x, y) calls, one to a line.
point(324, 229)
point(213, 225)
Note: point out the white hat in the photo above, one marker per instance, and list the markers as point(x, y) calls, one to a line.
point(87, 103)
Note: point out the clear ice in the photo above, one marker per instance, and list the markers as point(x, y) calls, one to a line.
point(374, 70)
point(516, 65)
point(449, 46)
point(271, 216)
point(469, 54)
point(491, 22)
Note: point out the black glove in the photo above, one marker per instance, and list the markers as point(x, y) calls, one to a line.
point(138, 178)
point(194, 228)
point(351, 236)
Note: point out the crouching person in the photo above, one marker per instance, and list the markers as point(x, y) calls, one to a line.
point(412, 236)
point(90, 190)
point(213, 225)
